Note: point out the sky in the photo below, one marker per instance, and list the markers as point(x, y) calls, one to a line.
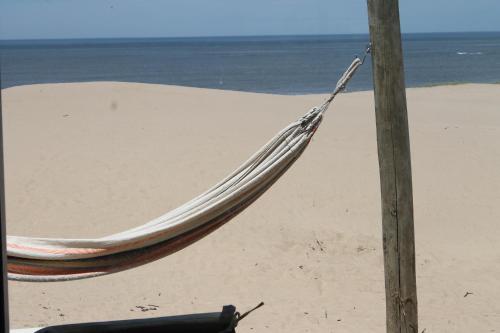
point(47, 19)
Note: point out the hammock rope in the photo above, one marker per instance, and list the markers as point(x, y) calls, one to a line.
point(48, 259)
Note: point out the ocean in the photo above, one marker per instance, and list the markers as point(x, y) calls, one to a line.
point(275, 64)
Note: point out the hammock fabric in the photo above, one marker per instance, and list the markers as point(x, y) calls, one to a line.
point(46, 259)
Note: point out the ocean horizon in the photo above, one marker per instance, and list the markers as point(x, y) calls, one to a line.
point(302, 64)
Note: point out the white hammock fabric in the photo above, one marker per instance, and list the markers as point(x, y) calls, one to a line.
point(46, 259)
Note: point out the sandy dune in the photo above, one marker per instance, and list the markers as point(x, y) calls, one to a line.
point(94, 158)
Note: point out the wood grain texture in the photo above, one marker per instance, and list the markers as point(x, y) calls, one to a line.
point(395, 166)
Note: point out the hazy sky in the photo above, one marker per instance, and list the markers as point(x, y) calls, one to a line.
point(20, 19)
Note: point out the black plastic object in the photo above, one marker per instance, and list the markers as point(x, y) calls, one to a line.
point(217, 322)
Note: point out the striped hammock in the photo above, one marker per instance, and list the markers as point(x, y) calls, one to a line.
point(46, 259)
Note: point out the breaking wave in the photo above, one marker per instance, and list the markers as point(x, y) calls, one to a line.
point(469, 53)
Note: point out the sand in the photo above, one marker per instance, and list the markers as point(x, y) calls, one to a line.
point(94, 158)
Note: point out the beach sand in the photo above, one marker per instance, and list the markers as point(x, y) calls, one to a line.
point(89, 159)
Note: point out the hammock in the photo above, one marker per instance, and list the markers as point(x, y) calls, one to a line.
point(47, 259)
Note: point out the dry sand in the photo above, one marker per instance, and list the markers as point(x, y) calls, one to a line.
point(94, 158)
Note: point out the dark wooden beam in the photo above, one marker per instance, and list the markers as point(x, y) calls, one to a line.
point(395, 166)
point(4, 299)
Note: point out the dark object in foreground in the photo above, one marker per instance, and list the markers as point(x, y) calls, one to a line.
point(217, 322)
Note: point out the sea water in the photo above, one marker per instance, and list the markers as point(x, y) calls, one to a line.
point(272, 64)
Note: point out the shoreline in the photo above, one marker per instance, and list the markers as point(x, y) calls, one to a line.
point(347, 91)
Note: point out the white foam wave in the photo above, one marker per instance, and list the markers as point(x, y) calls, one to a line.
point(469, 53)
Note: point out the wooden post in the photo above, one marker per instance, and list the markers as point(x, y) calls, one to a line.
point(395, 166)
point(4, 300)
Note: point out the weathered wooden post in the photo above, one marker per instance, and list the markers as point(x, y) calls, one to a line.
point(395, 166)
point(4, 308)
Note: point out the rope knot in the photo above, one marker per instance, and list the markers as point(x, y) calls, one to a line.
point(310, 119)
